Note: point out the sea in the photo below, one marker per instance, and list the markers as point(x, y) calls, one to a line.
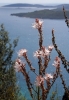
point(21, 28)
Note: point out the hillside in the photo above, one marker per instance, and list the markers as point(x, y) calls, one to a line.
point(65, 5)
point(44, 14)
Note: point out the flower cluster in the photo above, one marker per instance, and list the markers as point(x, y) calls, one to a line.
point(18, 65)
point(43, 52)
point(48, 76)
point(38, 24)
point(50, 47)
point(56, 62)
point(22, 52)
point(38, 53)
point(43, 55)
point(40, 79)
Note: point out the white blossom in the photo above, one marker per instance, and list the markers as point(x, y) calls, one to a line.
point(38, 53)
point(50, 47)
point(39, 80)
point(56, 62)
point(19, 65)
point(22, 52)
point(48, 76)
point(38, 24)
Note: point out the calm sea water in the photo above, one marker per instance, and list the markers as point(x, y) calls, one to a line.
point(28, 38)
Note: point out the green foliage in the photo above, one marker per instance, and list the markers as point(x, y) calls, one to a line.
point(21, 97)
point(54, 95)
point(8, 88)
point(35, 94)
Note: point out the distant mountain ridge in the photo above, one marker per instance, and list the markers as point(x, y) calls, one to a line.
point(59, 7)
point(44, 14)
point(37, 5)
point(56, 13)
point(25, 5)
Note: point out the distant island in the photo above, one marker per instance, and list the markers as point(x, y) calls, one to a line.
point(27, 5)
point(44, 14)
point(56, 13)
point(37, 5)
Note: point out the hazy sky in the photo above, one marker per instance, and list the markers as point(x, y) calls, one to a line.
point(35, 1)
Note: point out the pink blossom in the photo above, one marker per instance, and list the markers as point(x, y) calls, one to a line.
point(39, 80)
point(48, 76)
point(57, 59)
point(42, 53)
point(38, 24)
point(18, 65)
point(50, 47)
point(38, 53)
point(56, 62)
point(22, 52)
point(46, 52)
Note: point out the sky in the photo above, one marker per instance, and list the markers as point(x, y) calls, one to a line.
point(34, 1)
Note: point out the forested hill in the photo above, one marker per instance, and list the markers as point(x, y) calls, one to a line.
point(44, 14)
